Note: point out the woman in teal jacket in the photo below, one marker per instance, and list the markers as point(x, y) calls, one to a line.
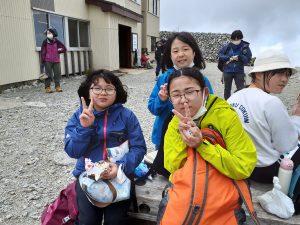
point(181, 50)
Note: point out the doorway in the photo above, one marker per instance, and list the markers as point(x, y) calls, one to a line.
point(125, 46)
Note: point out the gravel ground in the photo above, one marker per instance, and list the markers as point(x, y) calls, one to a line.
point(33, 165)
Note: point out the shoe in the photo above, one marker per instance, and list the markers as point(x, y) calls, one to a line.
point(48, 90)
point(43, 76)
point(156, 78)
point(58, 89)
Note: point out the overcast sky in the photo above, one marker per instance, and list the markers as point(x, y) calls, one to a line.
point(264, 23)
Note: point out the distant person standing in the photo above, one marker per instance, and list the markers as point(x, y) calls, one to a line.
point(160, 47)
point(50, 50)
point(236, 54)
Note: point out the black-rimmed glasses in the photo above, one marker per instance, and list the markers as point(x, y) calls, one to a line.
point(175, 98)
point(99, 90)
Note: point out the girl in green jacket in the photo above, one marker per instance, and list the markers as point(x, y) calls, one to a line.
point(195, 108)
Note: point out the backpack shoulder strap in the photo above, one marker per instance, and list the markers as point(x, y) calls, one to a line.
point(227, 49)
point(245, 194)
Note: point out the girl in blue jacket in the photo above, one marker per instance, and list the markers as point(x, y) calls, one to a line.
point(102, 122)
point(181, 50)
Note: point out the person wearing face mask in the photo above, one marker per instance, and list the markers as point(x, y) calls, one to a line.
point(195, 108)
point(235, 55)
point(50, 50)
point(180, 50)
point(265, 118)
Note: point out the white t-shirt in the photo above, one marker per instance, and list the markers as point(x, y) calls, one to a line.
point(267, 122)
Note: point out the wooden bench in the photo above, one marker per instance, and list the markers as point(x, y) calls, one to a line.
point(150, 194)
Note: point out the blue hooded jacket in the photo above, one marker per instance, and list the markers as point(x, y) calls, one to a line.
point(242, 51)
point(162, 109)
point(122, 125)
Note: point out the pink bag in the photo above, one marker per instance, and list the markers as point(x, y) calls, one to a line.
point(63, 210)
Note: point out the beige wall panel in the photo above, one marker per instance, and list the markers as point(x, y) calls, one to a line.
point(152, 25)
point(133, 6)
point(72, 8)
point(18, 60)
point(15, 8)
point(99, 37)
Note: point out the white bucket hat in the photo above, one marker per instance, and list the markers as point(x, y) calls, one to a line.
point(272, 60)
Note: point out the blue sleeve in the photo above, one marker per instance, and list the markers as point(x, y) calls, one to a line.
point(77, 138)
point(211, 91)
point(222, 56)
point(155, 105)
point(137, 145)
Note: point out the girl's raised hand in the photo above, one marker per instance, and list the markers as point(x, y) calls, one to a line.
point(189, 131)
point(87, 116)
point(163, 93)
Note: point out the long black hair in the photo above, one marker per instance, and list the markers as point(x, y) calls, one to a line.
point(110, 78)
point(188, 39)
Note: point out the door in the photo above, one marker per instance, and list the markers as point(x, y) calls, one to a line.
point(125, 46)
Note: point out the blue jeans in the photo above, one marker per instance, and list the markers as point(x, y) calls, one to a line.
point(114, 214)
point(239, 80)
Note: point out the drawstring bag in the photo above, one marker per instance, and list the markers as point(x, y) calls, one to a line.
point(101, 192)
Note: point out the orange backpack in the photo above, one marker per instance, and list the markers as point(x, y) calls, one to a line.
point(200, 194)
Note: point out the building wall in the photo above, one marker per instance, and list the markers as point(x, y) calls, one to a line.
point(72, 8)
point(18, 61)
point(151, 23)
point(104, 37)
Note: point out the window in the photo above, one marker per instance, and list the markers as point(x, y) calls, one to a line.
point(42, 21)
point(78, 30)
point(73, 33)
point(40, 25)
point(154, 7)
point(84, 34)
point(78, 33)
point(58, 23)
point(153, 45)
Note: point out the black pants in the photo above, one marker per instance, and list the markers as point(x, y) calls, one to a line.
point(239, 80)
point(266, 174)
point(114, 214)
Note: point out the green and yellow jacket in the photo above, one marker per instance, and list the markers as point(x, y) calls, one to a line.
point(236, 162)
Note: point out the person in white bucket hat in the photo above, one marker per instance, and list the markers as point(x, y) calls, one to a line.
point(264, 116)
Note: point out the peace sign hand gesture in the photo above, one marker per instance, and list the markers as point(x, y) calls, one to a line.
point(87, 116)
point(189, 131)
